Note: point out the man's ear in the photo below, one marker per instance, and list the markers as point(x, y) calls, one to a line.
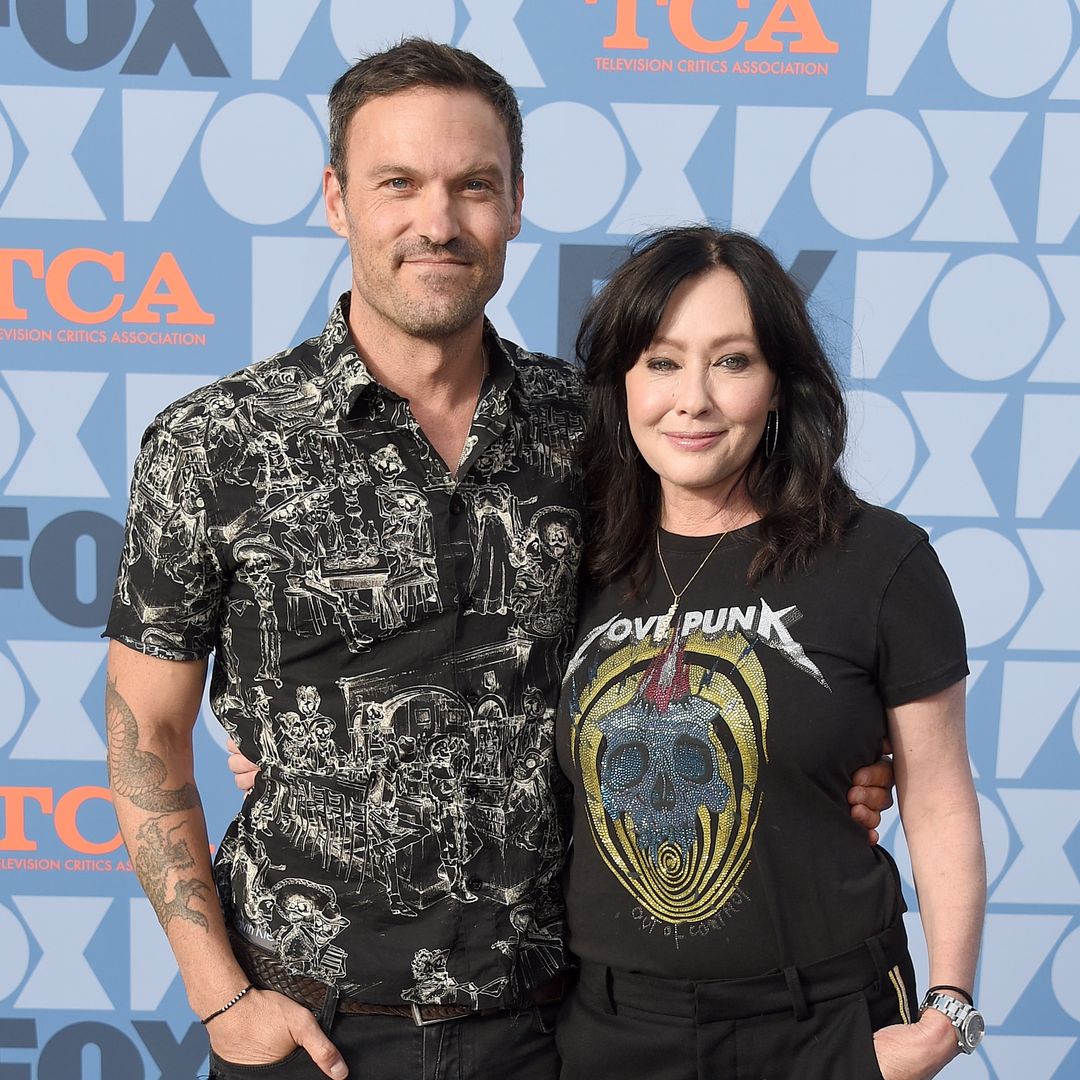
point(515, 217)
point(334, 201)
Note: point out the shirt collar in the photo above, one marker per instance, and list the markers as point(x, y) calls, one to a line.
point(344, 375)
point(346, 378)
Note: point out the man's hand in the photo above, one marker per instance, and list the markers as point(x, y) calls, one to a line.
point(869, 795)
point(244, 771)
point(265, 1027)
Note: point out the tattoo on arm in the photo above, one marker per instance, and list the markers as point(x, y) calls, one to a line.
point(158, 857)
point(137, 774)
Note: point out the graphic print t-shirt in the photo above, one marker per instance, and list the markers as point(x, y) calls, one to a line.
point(711, 753)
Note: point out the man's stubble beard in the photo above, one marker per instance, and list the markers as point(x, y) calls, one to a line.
point(436, 308)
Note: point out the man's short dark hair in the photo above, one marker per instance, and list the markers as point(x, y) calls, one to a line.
point(414, 64)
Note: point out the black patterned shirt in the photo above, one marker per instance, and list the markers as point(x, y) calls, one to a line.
point(387, 642)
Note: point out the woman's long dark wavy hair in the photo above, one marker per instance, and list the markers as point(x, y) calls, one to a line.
point(799, 491)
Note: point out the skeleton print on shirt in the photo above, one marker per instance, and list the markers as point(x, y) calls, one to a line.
point(669, 728)
point(388, 639)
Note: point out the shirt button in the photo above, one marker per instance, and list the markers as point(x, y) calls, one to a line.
point(475, 884)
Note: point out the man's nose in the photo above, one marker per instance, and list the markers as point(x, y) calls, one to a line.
point(437, 218)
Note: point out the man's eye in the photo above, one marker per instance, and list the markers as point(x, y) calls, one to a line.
point(398, 183)
point(477, 185)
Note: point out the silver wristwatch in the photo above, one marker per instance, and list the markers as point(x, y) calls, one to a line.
point(967, 1020)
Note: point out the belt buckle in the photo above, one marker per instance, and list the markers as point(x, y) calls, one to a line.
point(420, 1021)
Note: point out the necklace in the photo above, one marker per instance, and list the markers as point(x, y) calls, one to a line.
point(663, 566)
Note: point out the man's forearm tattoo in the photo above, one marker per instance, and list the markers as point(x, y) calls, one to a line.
point(137, 774)
point(157, 857)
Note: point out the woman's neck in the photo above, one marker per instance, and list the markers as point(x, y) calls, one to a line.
point(687, 514)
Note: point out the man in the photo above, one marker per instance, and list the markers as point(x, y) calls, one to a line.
point(343, 556)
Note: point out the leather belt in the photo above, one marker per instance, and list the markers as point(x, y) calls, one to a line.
point(265, 970)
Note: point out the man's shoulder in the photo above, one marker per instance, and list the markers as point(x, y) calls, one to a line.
point(543, 376)
point(231, 397)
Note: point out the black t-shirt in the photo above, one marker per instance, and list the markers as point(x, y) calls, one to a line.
point(712, 833)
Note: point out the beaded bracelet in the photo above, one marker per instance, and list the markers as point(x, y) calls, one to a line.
point(955, 990)
point(228, 1005)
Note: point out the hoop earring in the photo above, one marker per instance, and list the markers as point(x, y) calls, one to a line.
point(772, 433)
point(620, 446)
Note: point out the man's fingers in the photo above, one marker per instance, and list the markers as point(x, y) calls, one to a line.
point(870, 798)
point(868, 819)
point(879, 775)
point(320, 1049)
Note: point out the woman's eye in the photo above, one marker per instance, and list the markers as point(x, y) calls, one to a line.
point(735, 362)
point(659, 363)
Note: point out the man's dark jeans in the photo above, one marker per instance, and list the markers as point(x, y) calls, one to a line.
point(501, 1047)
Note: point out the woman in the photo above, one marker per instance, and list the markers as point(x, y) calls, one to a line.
point(754, 632)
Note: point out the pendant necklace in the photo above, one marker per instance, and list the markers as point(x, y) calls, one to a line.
point(663, 566)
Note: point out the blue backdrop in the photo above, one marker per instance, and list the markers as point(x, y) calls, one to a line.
point(915, 161)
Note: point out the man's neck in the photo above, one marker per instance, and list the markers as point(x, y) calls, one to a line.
point(448, 369)
point(441, 379)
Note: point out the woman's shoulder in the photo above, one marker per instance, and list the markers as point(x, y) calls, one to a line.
point(877, 528)
point(874, 544)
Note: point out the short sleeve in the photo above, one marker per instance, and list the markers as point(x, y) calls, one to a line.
point(169, 584)
point(921, 647)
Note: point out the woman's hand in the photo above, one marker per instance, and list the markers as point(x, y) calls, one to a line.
point(265, 1027)
point(916, 1051)
point(244, 771)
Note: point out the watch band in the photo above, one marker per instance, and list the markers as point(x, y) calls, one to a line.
point(965, 1018)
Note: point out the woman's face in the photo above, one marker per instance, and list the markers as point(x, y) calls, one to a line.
point(698, 396)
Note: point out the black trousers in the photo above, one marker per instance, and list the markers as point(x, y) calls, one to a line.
point(812, 1023)
point(501, 1047)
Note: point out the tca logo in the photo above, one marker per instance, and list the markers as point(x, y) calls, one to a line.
point(92, 33)
point(65, 817)
point(164, 287)
point(788, 17)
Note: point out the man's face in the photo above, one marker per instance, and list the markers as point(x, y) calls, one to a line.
point(428, 211)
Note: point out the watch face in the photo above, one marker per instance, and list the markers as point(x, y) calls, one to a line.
point(974, 1027)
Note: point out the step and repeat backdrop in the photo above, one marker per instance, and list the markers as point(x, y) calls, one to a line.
point(916, 163)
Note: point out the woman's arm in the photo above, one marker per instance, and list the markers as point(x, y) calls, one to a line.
point(940, 813)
